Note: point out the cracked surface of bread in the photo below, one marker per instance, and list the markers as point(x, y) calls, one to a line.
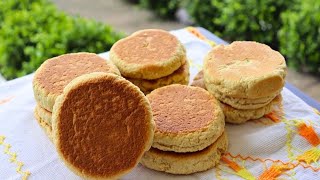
point(245, 69)
point(44, 114)
point(47, 128)
point(180, 76)
point(187, 118)
point(186, 163)
point(55, 73)
point(238, 116)
point(102, 125)
point(148, 54)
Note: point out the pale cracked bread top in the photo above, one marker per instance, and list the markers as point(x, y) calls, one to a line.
point(102, 125)
point(245, 69)
point(148, 54)
point(55, 73)
point(187, 118)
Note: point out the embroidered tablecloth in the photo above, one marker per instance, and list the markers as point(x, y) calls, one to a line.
point(284, 144)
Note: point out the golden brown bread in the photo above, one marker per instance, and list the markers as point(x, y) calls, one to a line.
point(238, 116)
point(180, 76)
point(47, 128)
point(244, 69)
point(102, 125)
point(55, 73)
point(241, 104)
point(148, 54)
point(44, 114)
point(198, 80)
point(187, 118)
point(186, 163)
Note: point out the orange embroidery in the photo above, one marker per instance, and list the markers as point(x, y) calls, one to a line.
point(195, 32)
point(293, 165)
point(6, 100)
point(309, 134)
point(231, 164)
point(240, 171)
point(273, 117)
point(278, 112)
point(273, 172)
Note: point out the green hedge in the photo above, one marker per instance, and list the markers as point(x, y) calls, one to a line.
point(289, 26)
point(251, 20)
point(34, 30)
point(300, 36)
point(204, 13)
point(163, 8)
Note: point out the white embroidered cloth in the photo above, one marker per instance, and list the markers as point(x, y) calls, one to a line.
point(256, 148)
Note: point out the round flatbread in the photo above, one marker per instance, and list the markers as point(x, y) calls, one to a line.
point(244, 69)
point(55, 73)
point(44, 114)
point(102, 125)
point(180, 76)
point(186, 163)
point(238, 116)
point(187, 118)
point(47, 128)
point(148, 54)
point(239, 105)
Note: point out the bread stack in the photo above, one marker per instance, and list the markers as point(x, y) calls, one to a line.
point(247, 77)
point(151, 59)
point(190, 135)
point(55, 73)
point(100, 123)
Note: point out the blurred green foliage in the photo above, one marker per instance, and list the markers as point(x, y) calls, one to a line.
point(32, 31)
point(205, 13)
point(163, 8)
point(250, 20)
point(293, 27)
point(300, 36)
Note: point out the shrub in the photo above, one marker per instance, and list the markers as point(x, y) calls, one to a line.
point(9, 6)
point(163, 8)
point(31, 35)
point(204, 13)
point(241, 19)
point(300, 36)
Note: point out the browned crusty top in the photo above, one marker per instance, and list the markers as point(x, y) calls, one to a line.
point(242, 59)
point(55, 73)
point(147, 47)
point(180, 108)
point(103, 125)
